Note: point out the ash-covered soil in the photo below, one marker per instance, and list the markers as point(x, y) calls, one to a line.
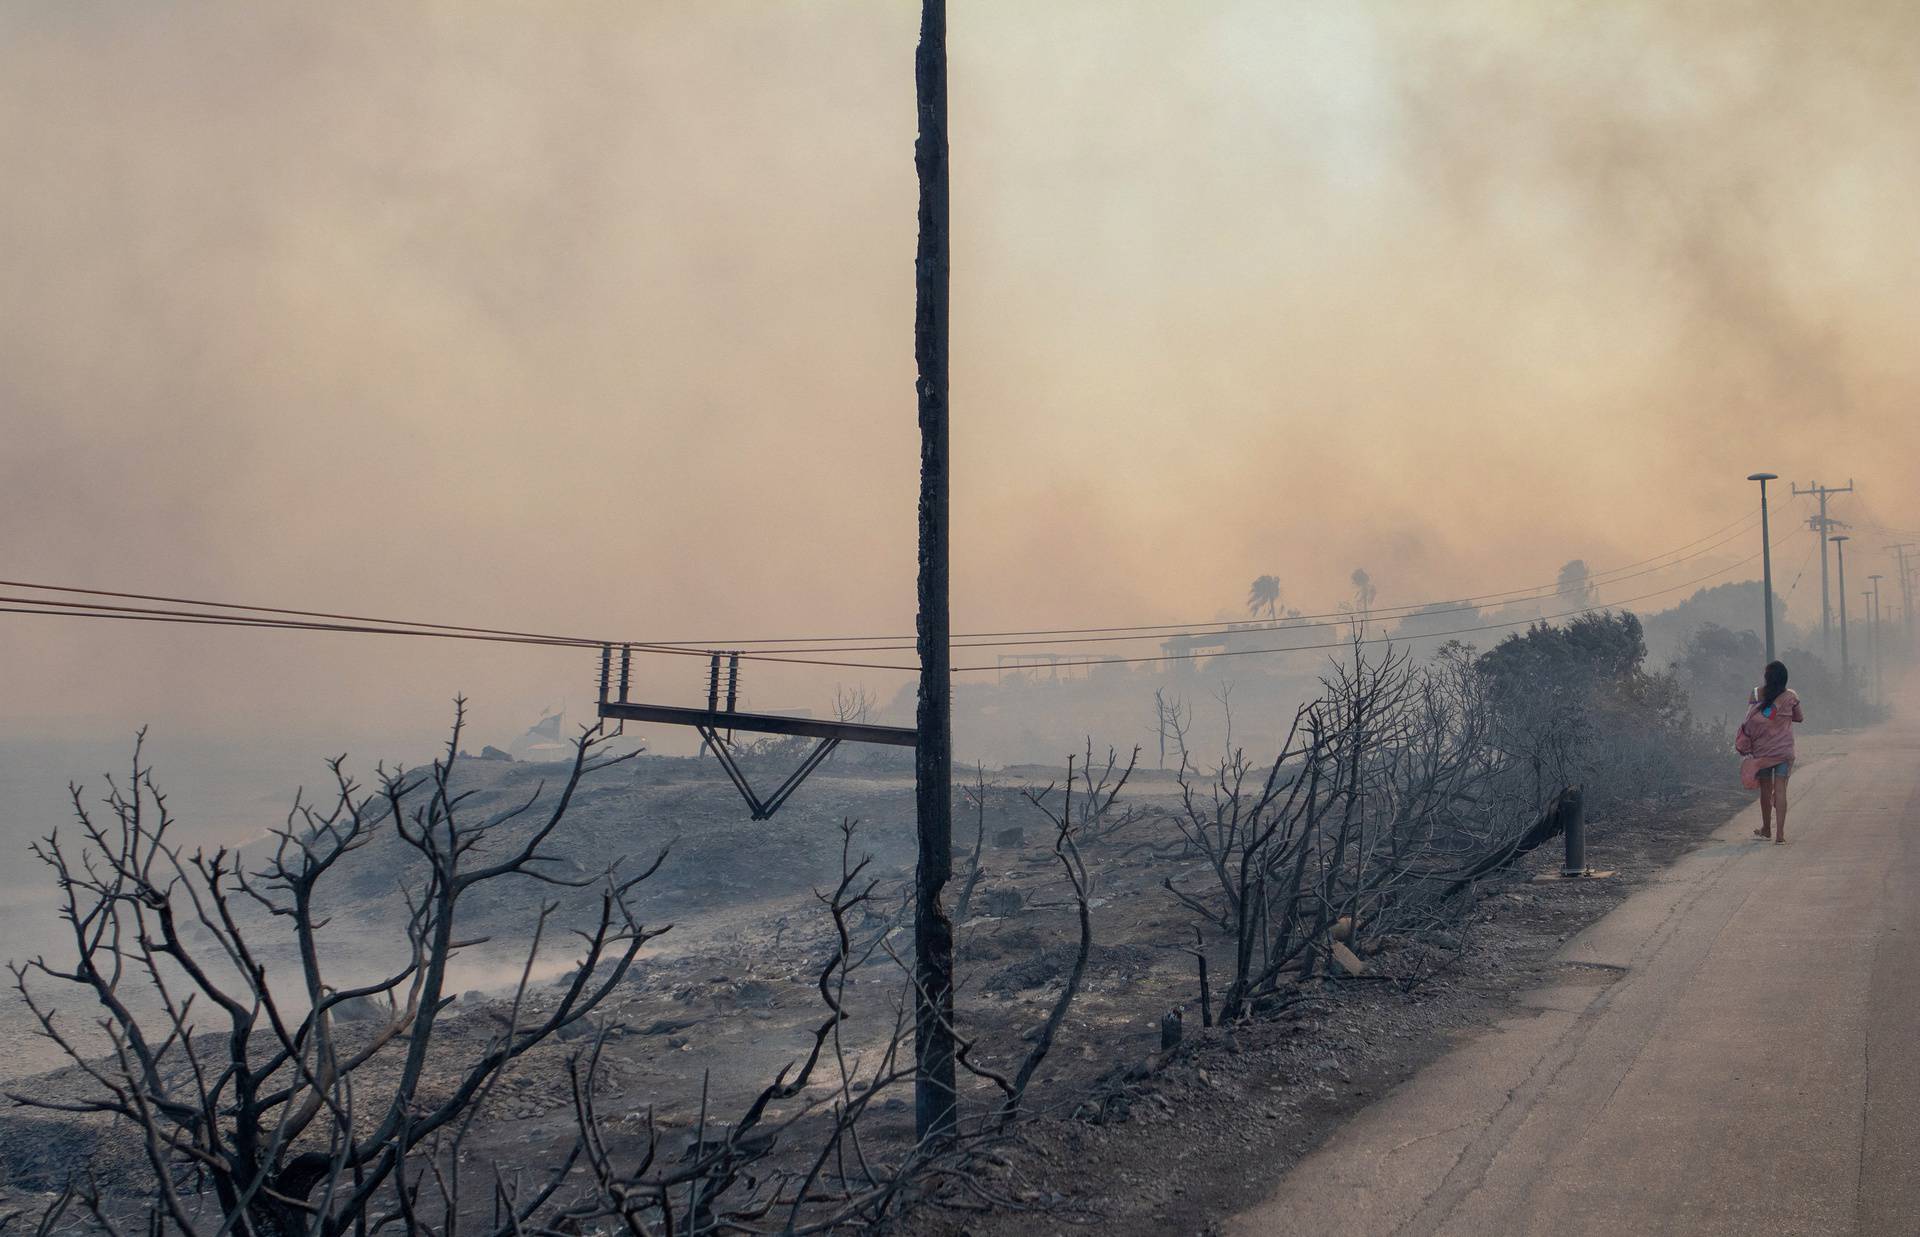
point(1178, 1141)
point(1144, 1141)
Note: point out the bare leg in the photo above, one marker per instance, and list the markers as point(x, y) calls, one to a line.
point(1766, 809)
point(1779, 810)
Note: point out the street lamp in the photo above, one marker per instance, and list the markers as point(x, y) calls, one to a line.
point(1839, 541)
point(1766, 554)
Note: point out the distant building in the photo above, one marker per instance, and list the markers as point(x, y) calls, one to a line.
point(546, 739)
point(1248, 638)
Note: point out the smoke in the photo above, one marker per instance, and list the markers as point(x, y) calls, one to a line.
point(597, 318)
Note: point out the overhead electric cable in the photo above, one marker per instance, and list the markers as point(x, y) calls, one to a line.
point(222, 620)
point(1382, 614)
point(55, 608)
point(1725, 533)
point(1335, 644)
point(839, 643)
point(311, 614)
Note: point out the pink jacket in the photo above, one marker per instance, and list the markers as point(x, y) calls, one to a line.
point(1766, 738)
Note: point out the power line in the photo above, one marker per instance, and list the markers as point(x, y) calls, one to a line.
point(47, 608)
point(57, 609)
point(1725, 533)
point(97, 609)
point(1419, 610)
point(308, 614)
point(1802, 570)
point(330, 620)
point(1427, 635)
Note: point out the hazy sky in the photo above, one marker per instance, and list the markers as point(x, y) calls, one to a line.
point(597, 318)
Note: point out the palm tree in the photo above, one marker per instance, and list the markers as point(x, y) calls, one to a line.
point(1575, 585)
point(1264, 595)
point(1361, 607)
point(1364, 590)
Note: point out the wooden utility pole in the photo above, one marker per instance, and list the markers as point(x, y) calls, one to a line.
point(1873, 634)
point(1823, 526)
point(1839, 541)
point(934, 1101)
point(1906, 591)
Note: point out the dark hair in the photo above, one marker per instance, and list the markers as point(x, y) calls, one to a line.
point(1776, 682)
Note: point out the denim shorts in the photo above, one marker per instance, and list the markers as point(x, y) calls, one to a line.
point(1783, 771)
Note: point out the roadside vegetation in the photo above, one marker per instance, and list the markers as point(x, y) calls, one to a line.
point(237, 1070)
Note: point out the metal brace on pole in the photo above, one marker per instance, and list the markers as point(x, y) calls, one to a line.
point(711, 721)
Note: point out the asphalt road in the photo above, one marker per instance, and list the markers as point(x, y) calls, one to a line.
point(1734, 1050)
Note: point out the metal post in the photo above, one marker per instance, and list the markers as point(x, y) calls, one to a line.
point(1573, 825)
point(935, 1097)
point(1766, 555)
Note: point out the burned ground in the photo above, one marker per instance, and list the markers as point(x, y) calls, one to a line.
point(719, 1004)
point(1172, 1142)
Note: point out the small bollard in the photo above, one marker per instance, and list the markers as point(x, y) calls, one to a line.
point(1573, 807)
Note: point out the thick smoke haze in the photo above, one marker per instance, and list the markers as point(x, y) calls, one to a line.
point(596, 318)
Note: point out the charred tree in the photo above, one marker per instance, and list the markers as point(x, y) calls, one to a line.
point(275, 1110)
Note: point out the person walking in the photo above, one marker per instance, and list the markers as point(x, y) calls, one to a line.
point(1765, 740)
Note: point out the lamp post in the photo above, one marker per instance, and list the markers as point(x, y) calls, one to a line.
point(1766, 554)
point(1839, 541)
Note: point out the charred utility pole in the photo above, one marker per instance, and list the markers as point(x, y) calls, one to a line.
point(1821, 525)
point(935, 1098)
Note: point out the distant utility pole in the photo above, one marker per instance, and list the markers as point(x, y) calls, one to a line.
point(1873, 633)
point(1846, 676)
point(935, 1098)
point(1766, 555)
point(1824, 527)
point(1821, 525)
point(1906, 588)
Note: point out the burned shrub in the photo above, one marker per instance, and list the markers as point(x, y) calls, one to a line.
point(311, 1111)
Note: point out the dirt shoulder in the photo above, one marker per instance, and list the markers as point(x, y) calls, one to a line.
point(1186, 1138)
